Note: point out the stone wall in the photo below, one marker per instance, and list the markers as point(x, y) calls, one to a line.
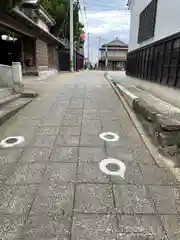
point(52, 57)
point(42, 54)
point(6, 78)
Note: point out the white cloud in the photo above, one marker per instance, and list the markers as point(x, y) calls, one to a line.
point(104, 22)
point(107, 25)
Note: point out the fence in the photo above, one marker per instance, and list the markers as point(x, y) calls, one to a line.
point(157, 62)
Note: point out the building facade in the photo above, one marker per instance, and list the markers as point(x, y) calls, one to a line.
point(25, 37)
point(154, 45)
point(113, 55)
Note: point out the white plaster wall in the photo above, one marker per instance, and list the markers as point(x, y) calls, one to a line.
point(167, 20)
point(114, 53)
point(6, 78)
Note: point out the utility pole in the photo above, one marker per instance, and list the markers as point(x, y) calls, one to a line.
point(75, 55)
point(88, 47)
point(106, 61)
point(71, 37)
point(99, 43)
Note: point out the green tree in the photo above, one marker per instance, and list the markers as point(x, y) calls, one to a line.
point(59, 10)
point(8, 4)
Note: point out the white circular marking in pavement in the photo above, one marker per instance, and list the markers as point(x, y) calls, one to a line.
point(109, 136)
point(12, 141)
point(120, 172)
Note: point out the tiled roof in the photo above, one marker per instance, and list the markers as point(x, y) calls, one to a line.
point(115, 42)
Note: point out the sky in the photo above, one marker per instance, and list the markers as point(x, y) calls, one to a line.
point(104, 19)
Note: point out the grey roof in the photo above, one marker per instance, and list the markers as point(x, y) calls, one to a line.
point(41, 11)
point(114, 43)
point(30, 1)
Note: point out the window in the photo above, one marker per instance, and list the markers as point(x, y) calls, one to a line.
point(147, 22)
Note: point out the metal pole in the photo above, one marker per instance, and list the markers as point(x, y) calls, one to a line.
point(88, 48)
point(99, 42)
point(106, 63)
point(71, 37)
point(75, 52)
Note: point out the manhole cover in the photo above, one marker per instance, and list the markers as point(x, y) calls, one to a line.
point(109, 136)
point(113, 167)
point(11, 141)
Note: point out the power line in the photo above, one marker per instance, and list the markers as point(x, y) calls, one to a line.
point(83, 16)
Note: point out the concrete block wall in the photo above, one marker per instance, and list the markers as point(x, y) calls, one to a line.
point(6, 78)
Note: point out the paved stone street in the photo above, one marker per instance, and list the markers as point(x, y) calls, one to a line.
point(51, 186)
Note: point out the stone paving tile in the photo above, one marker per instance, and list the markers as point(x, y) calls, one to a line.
point(91, 129)
point(172, 226)
point(131, 199)
point(91, 123)
point(76, 105)
point(145, 224)
point(72, 120)
point(68, 140)
point(121, 143)
point(142, 156)
point(166, 198)
point(75, 130)
point(91, 173)
point(47, 130)
point(61, 173)
point(27, 174)
point(91, 140)
point(114, 129)
point(10, 155)
point(133, 175)
point(47, 226)
point(113, 125)
point(6, 170)
point(73, 111)
point(91, 154)
point(137, 236)
point(16, 199)
point(54, 199)
point(88, 110)
point(51, 121)
point(44, 141)
point(35, 155)
point(91, 116)
point(161, 176)
point(64, 154)
point(109, 113)
point(94, 227)
point(11, 226)
point(94, 198)
point(56, 168)
point(121, 153)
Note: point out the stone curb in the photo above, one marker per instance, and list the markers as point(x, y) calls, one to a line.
point(10, 110)
point(29, 94)
point(160, 160)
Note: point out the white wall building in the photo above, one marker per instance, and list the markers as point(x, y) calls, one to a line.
point(166, 22)
point(154, 44)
